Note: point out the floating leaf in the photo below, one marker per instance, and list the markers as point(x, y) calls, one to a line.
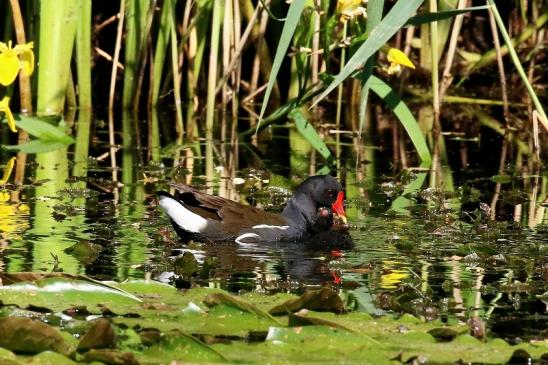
point(178, 347)
point(61, 292)
point(100, 335)
point(110, 357)
point(322, 300)
point(30, 336)
point(216, 299)
point(298, 320)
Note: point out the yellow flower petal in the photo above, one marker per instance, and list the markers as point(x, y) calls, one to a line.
point(27, 62)
point(23, 208)
point(395, 56)
point(9, 67)
point(20, 48)
point(5, 107)
point(7, 171)
point(345, 5)
point(4, 196)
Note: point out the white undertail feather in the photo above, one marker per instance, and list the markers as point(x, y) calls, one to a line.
point(241, 238)
point(184, 218)
point(268, 226)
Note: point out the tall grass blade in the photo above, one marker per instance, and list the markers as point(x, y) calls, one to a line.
point(309, 133)
point(383, 90)
point(393, 21)
point(292, 20)
point(441, 15)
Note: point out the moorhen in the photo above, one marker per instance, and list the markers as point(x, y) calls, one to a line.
point(199, 216)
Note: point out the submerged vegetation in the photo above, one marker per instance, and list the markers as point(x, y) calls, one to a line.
point(431, 113)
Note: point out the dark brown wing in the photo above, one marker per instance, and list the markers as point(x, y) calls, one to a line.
point(234, 217)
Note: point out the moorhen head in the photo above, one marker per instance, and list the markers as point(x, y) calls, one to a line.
point(199, 216)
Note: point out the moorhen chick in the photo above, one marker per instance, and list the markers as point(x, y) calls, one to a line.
point(199, 216)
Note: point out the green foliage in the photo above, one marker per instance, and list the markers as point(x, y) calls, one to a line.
point(49, 137)
point(162, 330)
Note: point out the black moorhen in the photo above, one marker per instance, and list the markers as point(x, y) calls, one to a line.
point(199, 216)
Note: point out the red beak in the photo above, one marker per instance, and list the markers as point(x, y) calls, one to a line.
point(338, 207)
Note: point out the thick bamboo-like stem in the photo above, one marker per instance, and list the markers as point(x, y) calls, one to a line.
point(111, 139)
point(213, 64)
point(176, 80)
point(135, 24)
point(142, 61)
point(83, 56)
point(58, 21)
point(25, 94)
point(160, 51)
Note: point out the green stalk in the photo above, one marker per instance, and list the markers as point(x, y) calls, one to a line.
point(517, 63)
point(81, 147)
point(161, 46)
point(213, 57)
point(176, 80)
point(436, 132)
point(58, 20)
point(136, 13)
point(83, 55)
point(83, 67)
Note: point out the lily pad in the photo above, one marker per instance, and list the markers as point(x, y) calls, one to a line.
point(324, 299)
point(62, 292)
point(182, 348)
point(100, 335)
point(27, 335)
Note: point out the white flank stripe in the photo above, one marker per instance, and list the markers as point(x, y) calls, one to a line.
point(184, 218)
point(240, 238)
point(258, 226)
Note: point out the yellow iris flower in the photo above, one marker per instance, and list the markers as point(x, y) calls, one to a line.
point(15, 59)
point(7, 171)
point(5, 107)
point(397, 59)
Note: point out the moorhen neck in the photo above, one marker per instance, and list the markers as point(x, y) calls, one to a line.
point(199, 216)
